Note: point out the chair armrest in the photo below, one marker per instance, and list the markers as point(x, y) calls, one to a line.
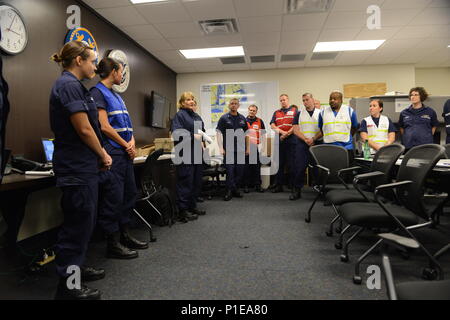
point(392, 185)
point(368, 175)
point(399, 240)
point(345, 170)
point(323, 168)
point(324, 173)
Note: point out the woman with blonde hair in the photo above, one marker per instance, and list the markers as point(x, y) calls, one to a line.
point(189, 165)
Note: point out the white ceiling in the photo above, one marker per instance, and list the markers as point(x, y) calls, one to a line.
point(417, 31)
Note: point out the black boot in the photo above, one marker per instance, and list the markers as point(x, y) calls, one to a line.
point(296, 194)
point(246, 189)
point(115, 250)
point(259, 189)
point(91, 274)
point(278, 188)
point(128, 241)
point(84, 293)
point(197, 212)
point(228, 196)
point(200, 199)
point(185, 216)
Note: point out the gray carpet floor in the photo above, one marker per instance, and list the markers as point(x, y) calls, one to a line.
point(258, 247)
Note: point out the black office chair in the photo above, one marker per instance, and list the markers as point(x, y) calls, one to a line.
point(212, 172)
point(328, 160)
point(447, 150)
point(415, 290)
point(380, 173)
point(405, 216)
point(148, 188)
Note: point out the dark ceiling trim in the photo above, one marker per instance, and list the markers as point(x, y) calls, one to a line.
point(93, 11)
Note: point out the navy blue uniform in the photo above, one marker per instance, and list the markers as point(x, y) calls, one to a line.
point(234, 154)
point(417, 125)
point(252, 175)
point(76, 169)
point(446, 115)
point(189, 172)
point(287, 149)
point(118, 190)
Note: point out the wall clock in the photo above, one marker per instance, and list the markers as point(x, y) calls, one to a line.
point(13, 30)
point(121, 57)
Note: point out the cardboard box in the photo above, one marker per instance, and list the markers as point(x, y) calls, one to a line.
point(164, 143)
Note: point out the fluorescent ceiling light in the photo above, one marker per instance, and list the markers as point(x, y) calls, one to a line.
point(348, 45)
point(145, 1)
point(213, 52)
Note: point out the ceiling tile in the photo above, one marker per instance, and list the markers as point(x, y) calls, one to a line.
point(432, 16)
point(355, 5)
point(319, 63)
point(224, 40)
point(188, 43)
point(341, 20)
point(254, 8)
point(260, 50)
point(304, 21)
point(206, 62)
point(393, 18)
point(98, 4)
point(380, 34)
point(261, 39)
point(122, 16)
point(164, 12)
point(306, 36)
point(142, 32)
point(352, 58)
point(412, 32)
point(260, 24)
point(440, 3)
point(339, 34)
point(155, 44)
point(210, 9)
point(405, 4)
point(169, 55)
point(179, 29)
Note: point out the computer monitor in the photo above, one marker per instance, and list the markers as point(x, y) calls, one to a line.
point(48, 149)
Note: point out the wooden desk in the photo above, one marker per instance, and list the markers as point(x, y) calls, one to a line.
point(14, 192)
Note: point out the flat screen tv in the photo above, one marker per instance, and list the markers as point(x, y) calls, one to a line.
point(158, 111)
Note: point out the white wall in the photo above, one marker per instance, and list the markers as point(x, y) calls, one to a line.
point(435, 80)
point(319, 81)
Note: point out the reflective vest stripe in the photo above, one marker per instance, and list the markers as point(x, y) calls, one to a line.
point(334, 122)
point(336, 132)
point(117, 112)
point(124, 130)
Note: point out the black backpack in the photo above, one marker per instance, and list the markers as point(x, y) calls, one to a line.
point(162, 201)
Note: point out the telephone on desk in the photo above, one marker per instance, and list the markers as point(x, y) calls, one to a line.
point(21, 165)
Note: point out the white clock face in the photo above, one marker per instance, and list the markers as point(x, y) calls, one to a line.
point(14, 33)
point(121, 57)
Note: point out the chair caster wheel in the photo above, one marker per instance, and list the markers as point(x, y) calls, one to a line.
point(338, 246)
point(329, 234)
point(344, 258)
point(153, 239)
point(429, 274)
point(209, 198)
point(307, 220)
point(357, 280)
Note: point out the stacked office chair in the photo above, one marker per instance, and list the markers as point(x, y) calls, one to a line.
point(380, 173)
point(328, 161)
point(213, 170)
point(404, 216)
point(148, 188)
point(415, 290)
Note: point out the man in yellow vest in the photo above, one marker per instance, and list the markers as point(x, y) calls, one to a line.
point(338, 123)
point(306, 128)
